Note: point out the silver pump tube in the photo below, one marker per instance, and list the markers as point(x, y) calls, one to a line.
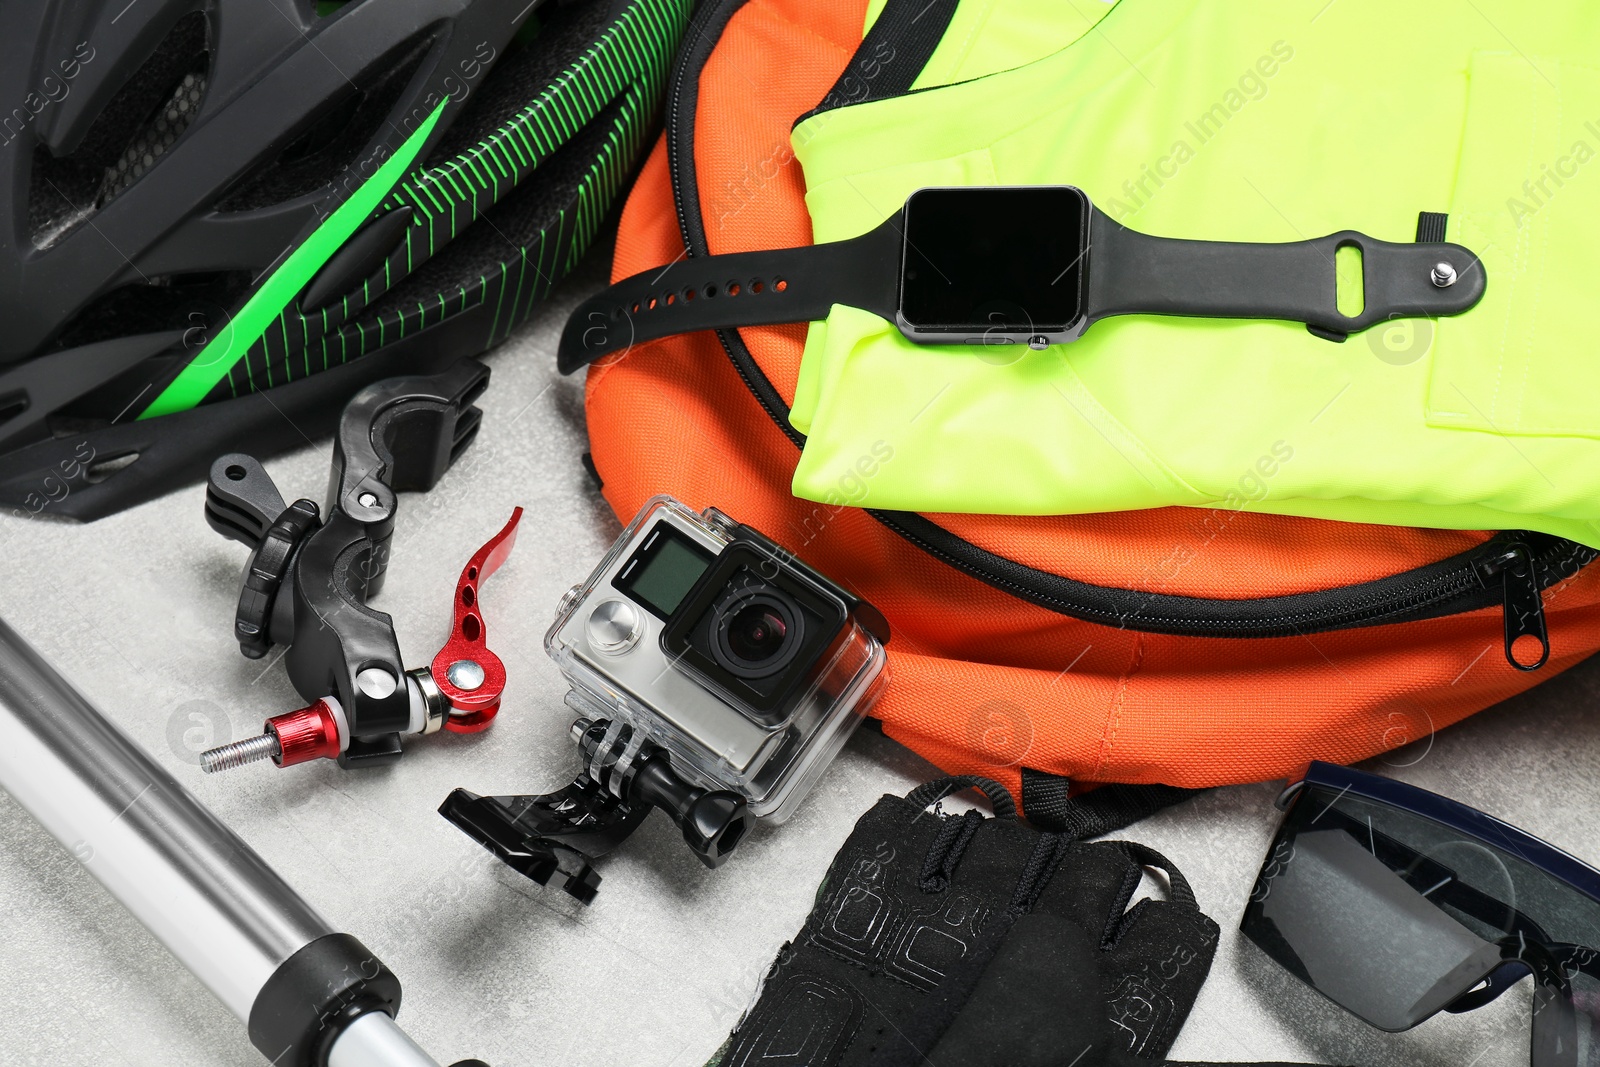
point(215, 904)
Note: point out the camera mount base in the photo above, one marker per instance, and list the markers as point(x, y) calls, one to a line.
point(551, 837)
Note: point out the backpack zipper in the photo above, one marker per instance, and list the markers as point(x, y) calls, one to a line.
point(1522, 605)
point(1510, 569)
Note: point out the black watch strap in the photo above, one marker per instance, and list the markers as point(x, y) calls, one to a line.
point(737, 289)
point(1133, 273)
point(1129, 273)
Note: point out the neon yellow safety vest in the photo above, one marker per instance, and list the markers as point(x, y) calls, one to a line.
point(1241, 120)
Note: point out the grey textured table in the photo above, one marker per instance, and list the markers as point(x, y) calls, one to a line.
point(136, 609)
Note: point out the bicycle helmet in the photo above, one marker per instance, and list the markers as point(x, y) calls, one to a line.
point(219, 219)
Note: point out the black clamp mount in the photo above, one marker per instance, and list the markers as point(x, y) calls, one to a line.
point(312, 571)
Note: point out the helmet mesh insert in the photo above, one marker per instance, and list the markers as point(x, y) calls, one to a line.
point(66, 190)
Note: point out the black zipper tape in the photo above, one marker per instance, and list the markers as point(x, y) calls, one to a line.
point(1510, 569)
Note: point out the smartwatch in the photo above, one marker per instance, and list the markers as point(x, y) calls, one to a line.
point(1034, 265)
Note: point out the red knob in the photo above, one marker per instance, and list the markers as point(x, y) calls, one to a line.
point(306, 734)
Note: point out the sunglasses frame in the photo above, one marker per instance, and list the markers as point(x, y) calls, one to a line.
point(1453, 814)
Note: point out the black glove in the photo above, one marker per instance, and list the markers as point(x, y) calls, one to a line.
point(964, 941)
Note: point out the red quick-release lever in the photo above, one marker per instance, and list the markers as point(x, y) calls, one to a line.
point(469, 675)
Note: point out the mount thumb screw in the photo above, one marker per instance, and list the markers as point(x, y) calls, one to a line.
point(713, 821)
point(251, 749)
point(295, 737)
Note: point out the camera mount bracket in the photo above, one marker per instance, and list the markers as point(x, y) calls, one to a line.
point(312, 572)
point(551, 838)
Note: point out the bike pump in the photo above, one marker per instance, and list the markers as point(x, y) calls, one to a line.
point(309, 995)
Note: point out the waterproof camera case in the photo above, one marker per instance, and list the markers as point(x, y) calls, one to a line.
point(714, 676)
point(712, 642)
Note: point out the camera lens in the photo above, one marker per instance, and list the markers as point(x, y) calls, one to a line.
point(756, 631)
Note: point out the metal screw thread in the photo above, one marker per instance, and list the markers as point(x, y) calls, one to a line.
point(250, 750)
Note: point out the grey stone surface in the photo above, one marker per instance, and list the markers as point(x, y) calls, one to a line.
point(137, 608)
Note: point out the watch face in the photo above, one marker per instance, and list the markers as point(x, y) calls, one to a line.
point(994, 261)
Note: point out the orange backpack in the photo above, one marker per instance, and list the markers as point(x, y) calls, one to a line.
point(1183, 646)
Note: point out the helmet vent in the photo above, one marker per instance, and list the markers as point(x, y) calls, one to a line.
point(164, 302)
point(332, 142)
point(158, 135)
point(103, 468)
point(12, 405)
point(67, 190)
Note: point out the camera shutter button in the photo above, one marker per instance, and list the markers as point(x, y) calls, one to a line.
point(614, 626)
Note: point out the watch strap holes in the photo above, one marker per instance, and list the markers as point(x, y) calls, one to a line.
point(702, 291)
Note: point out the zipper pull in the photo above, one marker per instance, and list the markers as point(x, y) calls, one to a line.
point(1524, 608)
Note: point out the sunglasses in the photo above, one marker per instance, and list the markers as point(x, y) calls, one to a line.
point(1396, 903)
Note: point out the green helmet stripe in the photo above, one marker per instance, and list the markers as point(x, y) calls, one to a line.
point(624, 69)
point(211, 363)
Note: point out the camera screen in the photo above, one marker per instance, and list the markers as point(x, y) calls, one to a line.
point(663, 571)
point(1003, 260)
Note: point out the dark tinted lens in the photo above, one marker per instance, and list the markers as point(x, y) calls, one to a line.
point(1394, 915)
point(756, 633)
point(1338, 917)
